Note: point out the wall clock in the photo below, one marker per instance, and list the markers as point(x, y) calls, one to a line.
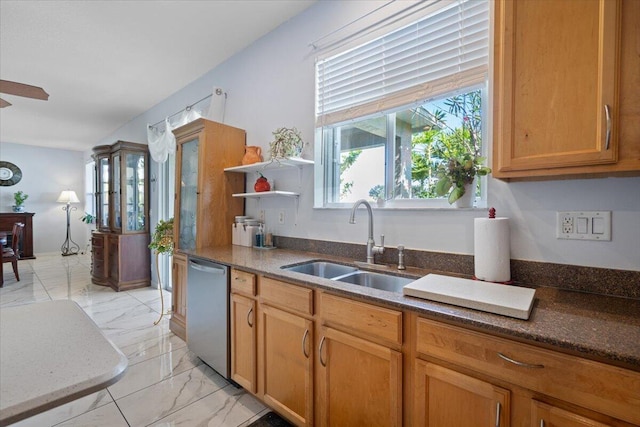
point(10, 174)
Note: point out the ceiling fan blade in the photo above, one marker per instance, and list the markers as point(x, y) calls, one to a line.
point(21, 89)
point(4, 103)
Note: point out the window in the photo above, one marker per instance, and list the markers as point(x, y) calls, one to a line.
point(391, 111)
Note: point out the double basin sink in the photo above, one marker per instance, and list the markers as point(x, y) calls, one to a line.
point(349, 274)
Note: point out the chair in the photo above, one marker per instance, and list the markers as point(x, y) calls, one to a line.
point(12, 254)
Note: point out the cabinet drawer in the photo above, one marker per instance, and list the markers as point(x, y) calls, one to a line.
point(286, 296)
point(243, 282)
point(608, 389)
point(370, 320)
point(97, 242)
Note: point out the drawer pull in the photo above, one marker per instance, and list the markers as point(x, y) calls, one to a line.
point(518, 363)
point(541, 423)
point(304, 343)
point(322, 362)
point(248, 317)
point(239, 279)
point(607, 114)
point(498, 408)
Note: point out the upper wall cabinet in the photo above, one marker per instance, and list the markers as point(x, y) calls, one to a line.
point(556, 88)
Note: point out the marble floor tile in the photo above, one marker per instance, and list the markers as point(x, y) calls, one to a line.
point(152, 371)
point(68, 410)
point(105, 416)
point(152, 347)
point(164, 398)
point(227, 407)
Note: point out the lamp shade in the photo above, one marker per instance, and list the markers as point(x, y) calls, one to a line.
point(68, 196)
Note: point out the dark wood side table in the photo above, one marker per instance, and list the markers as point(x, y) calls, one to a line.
point(7, 219)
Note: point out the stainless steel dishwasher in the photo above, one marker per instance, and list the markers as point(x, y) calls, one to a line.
point(208, 313)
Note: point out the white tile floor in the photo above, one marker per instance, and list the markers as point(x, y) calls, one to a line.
point(164, 385)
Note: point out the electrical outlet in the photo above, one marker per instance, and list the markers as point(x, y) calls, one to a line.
point(261, 216)
point(584, 225)
point(281, 217)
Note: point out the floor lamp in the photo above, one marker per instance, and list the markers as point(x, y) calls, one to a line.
point(69, 247)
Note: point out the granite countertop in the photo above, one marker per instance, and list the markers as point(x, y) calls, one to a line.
point(51, 353)
point(596, 327)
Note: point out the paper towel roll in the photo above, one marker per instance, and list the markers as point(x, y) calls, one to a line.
point(491, 249)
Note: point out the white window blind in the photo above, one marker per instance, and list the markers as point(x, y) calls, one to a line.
point(445, 51)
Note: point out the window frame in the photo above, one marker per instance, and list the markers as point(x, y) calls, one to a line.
point(323, 163)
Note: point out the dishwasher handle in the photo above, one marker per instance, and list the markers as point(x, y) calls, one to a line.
point(207, 268)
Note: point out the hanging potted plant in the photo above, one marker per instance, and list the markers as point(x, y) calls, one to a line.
point(19, 198)
point(162, 243)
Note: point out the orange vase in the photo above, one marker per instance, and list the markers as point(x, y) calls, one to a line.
point(252, 154)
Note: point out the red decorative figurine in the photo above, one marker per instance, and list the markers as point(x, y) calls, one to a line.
point(261, 184)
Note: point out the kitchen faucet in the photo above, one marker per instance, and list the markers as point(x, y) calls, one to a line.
point(371, 244)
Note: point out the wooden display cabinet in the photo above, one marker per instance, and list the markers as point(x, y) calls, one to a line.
point(204, 205)
point(119, 247)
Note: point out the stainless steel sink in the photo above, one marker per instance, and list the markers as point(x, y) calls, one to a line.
point(384, 282)
point(324, 269)
point(349, 274)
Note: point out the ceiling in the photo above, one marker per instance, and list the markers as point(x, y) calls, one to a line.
point(105, 62)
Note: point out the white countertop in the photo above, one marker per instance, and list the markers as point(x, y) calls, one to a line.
point(51, 353)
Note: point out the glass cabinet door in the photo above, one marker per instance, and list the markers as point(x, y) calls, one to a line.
point(103, 192)
point(117, 207)
point(134, 192)
point(188, 194)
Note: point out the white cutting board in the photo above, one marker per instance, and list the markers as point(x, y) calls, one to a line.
point(507, 300)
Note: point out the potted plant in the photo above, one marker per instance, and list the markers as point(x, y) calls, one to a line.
point(377, 193)
point(19, 197)
point(162, 243)
point(287, 143)
point(456, 176)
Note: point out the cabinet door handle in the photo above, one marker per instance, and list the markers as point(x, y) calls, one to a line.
point(498, 408)
point(304, 343)
point(239, 279)
point(248, 317)
point(607, 114)
point(518, 363)
point(322, 362)
point(541, 422)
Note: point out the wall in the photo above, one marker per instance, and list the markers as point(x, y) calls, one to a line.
point(271, 84)
point(45, 173)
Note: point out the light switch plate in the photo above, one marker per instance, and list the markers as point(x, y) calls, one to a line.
point(584, 225)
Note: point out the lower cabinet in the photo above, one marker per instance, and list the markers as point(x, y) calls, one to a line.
point(443, 397)
point(243, 341)
point(543, 415)
point(286, 352)
point(327, 360)
point(178, 322)
point(360, 382)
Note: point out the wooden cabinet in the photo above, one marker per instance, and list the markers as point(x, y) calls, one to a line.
point(178, 323)
point(556, 89)
point(286, 349)
point(99, 260)
point(328, 360)
point(443, 397)
point(359, 366)
point(544, 415)
point(243, 342)
point(204, 205)
point(603, 392)
point(244, 335)
point(120, 244)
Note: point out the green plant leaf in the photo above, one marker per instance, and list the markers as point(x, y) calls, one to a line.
point(455, 194)
point(443, 185)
